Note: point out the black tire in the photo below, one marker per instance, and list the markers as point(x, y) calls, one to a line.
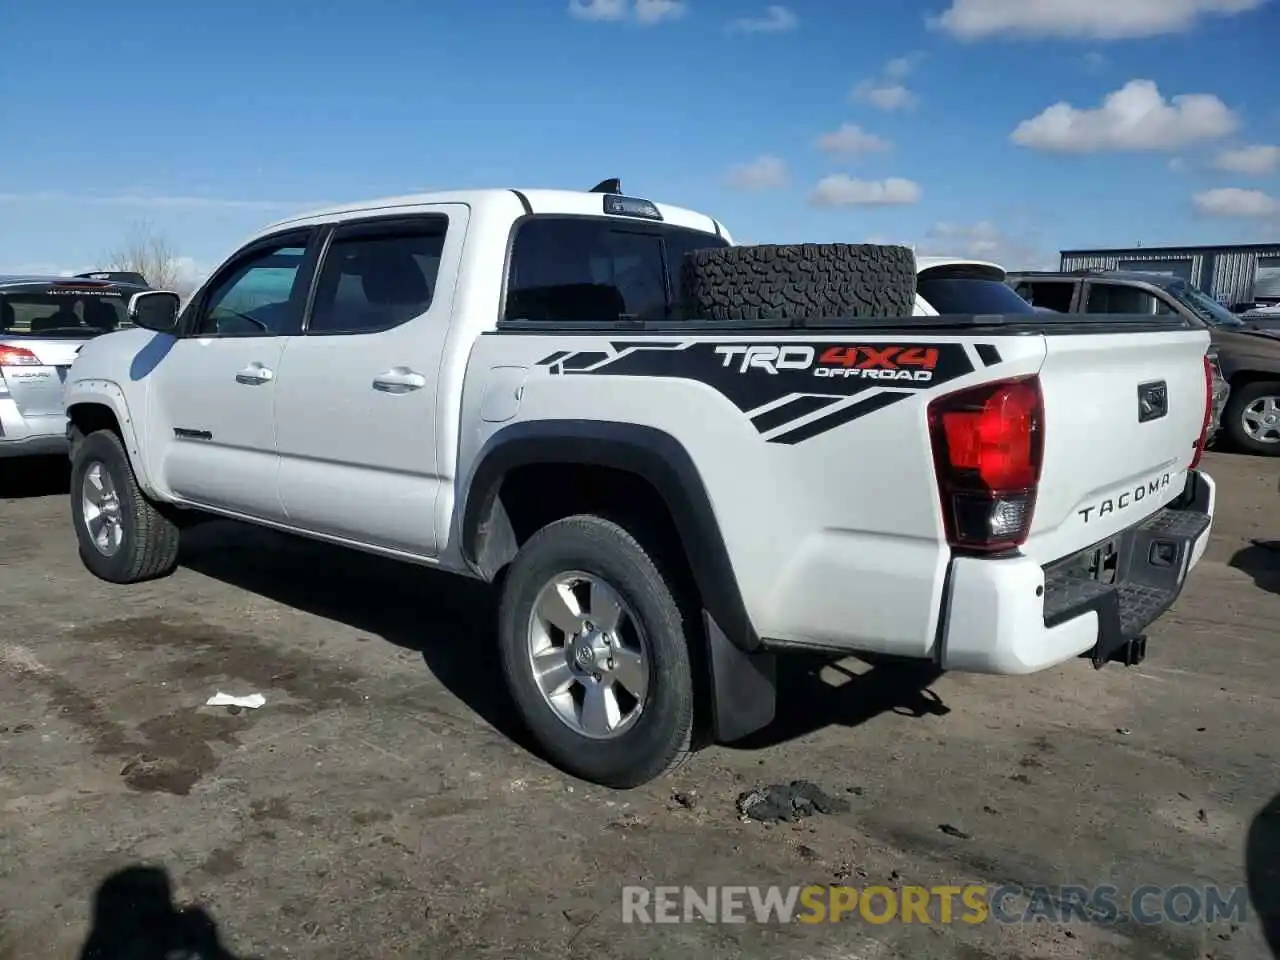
point(1233, 417)
point(149, 546)
point(793, 281)
point(661, 736)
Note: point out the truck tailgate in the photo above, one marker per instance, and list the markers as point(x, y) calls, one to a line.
point(1122, 414)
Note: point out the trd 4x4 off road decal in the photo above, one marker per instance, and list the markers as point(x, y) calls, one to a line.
point(778, 385)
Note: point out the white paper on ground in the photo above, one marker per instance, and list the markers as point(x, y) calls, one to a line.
point(252, 701)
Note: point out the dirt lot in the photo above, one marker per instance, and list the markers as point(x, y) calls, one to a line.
point(381, 804)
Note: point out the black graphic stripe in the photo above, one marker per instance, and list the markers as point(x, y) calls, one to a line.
point(839, 418)
point(804, 378)
point(789, 411)
point(988, 353)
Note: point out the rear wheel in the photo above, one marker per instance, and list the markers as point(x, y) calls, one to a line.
point(595, 653)
point(1252, 418)
point(123, 536)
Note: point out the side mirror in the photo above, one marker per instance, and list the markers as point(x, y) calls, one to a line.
point(155, 310)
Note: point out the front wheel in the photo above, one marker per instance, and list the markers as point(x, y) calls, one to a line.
point(123, 536)
point(596, 655)
point(1252, 418)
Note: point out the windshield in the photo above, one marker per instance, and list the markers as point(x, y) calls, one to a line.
point(1205, 307)
point(71, 313)
point(965, 295)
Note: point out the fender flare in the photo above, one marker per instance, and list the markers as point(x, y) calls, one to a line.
point(653, 455)
point(108, 394)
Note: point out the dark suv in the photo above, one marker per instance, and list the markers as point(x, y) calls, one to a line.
point(1249, 359)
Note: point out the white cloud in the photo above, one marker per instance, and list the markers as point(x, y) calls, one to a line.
point(1256, 160)
point(1235, 202)
point(984, 241)
point(598, 9)
point(148, 200)
point(1135, 117)
point(1178, 165)
point(646, 12)
point(762, 173)
point(1093, 61)
point(887, 91)
point(774, 20)
point(886, 96)
point(840, 190)
point(900, 67)
point(1081, 19)
point(851, 140)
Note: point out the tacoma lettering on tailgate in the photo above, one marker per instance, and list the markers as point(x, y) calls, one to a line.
point(1126, 499)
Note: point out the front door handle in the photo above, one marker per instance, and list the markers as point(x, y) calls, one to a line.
point(399, 380)
point(254, 374)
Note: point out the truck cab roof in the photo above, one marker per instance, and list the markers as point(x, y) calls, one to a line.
point(505, 201)
point(932, 263)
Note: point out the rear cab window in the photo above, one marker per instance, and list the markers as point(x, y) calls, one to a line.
point(965, 289)
point(63, 311)
point(567, 268)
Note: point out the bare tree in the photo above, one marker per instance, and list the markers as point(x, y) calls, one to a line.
point(151, 254)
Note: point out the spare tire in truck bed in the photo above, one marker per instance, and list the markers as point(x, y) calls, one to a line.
point(794, 281)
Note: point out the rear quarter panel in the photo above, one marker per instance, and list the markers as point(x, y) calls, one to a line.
point(830, 513)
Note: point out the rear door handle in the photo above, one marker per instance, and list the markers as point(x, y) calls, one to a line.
point(254, 374)
point(399, 380)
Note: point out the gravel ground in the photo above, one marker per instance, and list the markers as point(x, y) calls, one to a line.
point(382, 803)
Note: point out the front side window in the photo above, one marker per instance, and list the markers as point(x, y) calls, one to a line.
point(255, 296)
point(375, 281)
point(597, 269)
point(1203, 306)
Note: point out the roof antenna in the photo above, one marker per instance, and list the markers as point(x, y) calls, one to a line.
point(613, 185)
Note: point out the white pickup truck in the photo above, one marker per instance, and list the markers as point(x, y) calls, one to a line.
point(676, 456)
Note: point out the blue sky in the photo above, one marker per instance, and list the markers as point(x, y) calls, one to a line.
point(920, 121)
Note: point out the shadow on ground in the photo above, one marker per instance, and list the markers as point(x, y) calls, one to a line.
point(809, 701)
point(135, 918)
point(23, 478)
point(1260, 560)
point(450, 621)
point(1262, 871)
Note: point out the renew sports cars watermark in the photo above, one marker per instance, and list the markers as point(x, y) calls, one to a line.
point(944, 904)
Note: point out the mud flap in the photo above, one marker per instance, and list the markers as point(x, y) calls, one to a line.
point(744, 689)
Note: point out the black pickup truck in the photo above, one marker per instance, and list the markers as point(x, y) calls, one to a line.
point(1248, 357)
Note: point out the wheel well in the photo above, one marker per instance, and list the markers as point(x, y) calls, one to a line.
point(1243, 378)
point(89, 417)
point(537, 494)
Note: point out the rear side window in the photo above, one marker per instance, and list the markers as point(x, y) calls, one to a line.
point(1113, 298)
point(956, 293)
point(1050, 294)
point(594, 269)
point(375, 279)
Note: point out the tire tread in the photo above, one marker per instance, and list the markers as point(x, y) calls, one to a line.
point(152, 549)
point(795, 281)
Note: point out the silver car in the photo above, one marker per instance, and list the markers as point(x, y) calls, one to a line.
point(44, 321)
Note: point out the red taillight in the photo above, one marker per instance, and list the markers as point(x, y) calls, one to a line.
point(1208, 413)
point(987, 447)
point(17, 357)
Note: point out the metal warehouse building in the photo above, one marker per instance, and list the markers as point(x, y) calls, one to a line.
point(1238, 273)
